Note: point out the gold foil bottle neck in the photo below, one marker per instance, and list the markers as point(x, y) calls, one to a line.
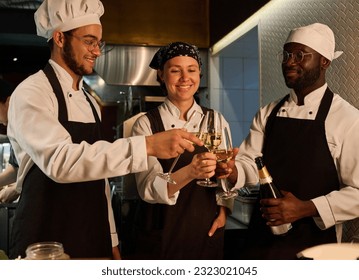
point(263, 173)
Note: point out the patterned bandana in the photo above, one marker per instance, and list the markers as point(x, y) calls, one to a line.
point(172, 50)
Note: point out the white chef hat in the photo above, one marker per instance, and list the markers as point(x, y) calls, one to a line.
point(317, 36)
point(65, 15)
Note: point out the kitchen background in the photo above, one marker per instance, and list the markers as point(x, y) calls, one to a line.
point(238, 40)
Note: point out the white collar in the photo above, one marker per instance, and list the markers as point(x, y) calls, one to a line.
point(174, 111)
point(64, 77)
point(310, 99)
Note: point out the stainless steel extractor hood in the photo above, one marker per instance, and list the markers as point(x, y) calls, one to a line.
point(129, 65)
point(123, 69)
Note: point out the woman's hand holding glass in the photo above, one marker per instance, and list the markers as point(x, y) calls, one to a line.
point(203, 165)
point(195, 119)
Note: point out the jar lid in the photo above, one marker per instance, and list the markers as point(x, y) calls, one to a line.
point(46, 251)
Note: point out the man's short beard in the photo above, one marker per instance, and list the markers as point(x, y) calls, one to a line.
point(308, 79)
point(68, 57)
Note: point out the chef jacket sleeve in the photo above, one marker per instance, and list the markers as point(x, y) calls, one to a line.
point(50, 146)
point(151, 188)
point(111, 219)
point(343, 204)
point(251, 148)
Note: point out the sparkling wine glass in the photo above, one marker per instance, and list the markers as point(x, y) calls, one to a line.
point(195, 119)
point(210, 134)
point(225, 154)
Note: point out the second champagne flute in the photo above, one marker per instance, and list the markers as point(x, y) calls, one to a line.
point(224, 155)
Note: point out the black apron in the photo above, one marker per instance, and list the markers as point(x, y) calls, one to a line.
point(297, 155)
point(74, 214)
point(179, 231)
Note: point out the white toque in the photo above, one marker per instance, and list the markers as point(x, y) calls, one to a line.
point(65, 15)
point(317, 36)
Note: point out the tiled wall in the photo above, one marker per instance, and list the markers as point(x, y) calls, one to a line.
point(343, 18)
point(233, 88)
point(234, 80)
point(236, 89)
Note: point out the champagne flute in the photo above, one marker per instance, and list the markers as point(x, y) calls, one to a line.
point(224, 155)
point(210, 134)
point(195, 117)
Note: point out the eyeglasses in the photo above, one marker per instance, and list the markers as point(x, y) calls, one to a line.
point(298, 57)
point(90, 43)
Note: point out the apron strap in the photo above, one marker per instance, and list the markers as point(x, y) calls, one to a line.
point(325, 105)
point(51, 76)
point(97, 118)
point(55, 84)
point(270, 120)
point(155, 120)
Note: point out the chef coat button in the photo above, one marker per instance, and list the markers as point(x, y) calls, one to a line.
point(70, 94)
point(310, 112)
point(172, 125)
point(283, 110)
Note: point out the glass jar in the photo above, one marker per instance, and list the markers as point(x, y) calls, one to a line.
point(46, 251)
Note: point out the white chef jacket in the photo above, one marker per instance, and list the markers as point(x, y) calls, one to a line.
point(37, 136)
point(151, 188)
point(342, 133)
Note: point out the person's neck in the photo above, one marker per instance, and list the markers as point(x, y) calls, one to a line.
point(183, 107)
point(301, 93)
point(75, 78)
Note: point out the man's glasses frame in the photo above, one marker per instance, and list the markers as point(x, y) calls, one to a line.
point(297, 56)
point(89, 42)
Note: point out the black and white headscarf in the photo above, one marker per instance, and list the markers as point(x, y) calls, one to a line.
point(172, 50)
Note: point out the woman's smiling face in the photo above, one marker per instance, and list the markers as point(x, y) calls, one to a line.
point(181, 76)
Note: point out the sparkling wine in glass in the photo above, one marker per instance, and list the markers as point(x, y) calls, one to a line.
point(211, 135)
point(225, 154)
point(195, 119)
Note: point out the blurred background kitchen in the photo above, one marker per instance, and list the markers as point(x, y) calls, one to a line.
point(238, 41)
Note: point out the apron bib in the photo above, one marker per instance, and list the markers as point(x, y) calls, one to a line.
point(297, 155)
point(180, 231)
point(74, 214)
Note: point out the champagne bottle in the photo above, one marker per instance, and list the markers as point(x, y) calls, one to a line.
point(269, 190)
